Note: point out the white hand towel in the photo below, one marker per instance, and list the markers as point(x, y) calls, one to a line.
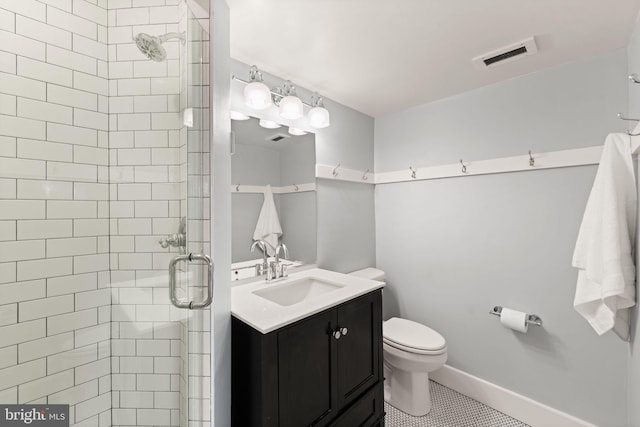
point(605, 246)
point(268, 226)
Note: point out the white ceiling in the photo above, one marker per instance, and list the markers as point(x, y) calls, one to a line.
point(381, 56)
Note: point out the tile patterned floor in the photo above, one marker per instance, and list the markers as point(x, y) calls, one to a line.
point(451, 409)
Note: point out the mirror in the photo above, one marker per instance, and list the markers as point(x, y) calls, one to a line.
point(286, 162)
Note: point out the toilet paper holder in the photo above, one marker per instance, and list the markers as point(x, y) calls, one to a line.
point(532, 319)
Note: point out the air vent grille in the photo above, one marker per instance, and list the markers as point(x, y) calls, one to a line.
point(277, 137)
point(507, 54)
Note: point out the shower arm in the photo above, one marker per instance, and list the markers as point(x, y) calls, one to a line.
point(169, 36)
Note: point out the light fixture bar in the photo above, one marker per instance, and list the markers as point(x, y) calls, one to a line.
point(276, 94)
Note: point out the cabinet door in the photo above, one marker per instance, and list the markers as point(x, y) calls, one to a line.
point(360, 350)
point(307, 378)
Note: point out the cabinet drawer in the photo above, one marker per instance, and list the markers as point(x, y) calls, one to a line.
point(365, 412)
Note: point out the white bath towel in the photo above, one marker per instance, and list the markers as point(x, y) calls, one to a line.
point(605, 247)
point(268, 226)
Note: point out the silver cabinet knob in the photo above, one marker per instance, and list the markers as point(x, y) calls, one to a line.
point(340, 332)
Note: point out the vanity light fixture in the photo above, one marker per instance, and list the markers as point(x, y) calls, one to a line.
point(290, 106)
point(296, 131)
point(268, 124)
point(236, 115)
point(256, 94)
point(318, 115)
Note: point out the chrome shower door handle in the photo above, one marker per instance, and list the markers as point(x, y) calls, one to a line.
point(172, 282)
point(207, 301)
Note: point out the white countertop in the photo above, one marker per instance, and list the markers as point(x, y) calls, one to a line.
point(266, 316)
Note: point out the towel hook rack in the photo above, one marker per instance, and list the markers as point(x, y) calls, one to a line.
point(634, 78)
point(237, 187)
point(464, 167)
point(364, 175)
point(621, 117)
point(295, 186)
point(532, 161)
point(335, 171)
point(413, 172)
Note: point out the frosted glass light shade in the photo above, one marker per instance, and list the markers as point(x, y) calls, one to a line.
point(291, 107)
point(319, 117)
point(236, 115)
point(296, 131)
point(257, 95)
point(268, 124)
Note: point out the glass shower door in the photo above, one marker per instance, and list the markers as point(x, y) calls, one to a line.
point(195, 273)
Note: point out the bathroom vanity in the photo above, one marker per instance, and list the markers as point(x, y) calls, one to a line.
point(307, 351)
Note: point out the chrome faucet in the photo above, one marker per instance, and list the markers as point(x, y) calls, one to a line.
point(279, 270)
point(264, 267)
point(284, 250)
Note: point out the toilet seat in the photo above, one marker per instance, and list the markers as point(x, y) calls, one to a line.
point(414, 350)
point(412, 337)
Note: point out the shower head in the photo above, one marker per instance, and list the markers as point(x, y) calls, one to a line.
point(151, 46)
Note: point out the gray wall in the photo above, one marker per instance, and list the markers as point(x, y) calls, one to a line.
point(346, 220)
point(633, 54)
point(345, 211)
point(454, 248)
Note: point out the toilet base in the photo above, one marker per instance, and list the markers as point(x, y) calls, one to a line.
point(408, 391)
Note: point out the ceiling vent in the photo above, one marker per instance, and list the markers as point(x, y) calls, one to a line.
point(277, 137)
point(507, 54)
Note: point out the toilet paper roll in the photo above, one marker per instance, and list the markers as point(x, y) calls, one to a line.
point(513, 319)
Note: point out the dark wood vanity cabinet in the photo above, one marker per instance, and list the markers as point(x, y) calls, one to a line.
point(306, 374)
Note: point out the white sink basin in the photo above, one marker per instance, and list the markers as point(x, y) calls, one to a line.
point(297, 291)
point(267, 306)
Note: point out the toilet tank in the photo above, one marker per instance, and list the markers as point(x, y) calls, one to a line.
point(369, 273)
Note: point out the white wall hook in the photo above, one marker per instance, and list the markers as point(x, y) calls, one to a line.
point(464, 167)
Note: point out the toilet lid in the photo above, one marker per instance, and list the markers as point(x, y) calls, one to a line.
point(410, 334)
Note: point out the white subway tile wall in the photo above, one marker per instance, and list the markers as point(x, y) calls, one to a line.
point(55, 299)
point(94, 165)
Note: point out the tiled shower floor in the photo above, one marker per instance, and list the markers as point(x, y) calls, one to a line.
point(451, 409)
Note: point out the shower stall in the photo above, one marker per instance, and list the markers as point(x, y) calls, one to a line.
point(105, 184)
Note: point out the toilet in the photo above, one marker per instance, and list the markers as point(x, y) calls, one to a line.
point(411, 350)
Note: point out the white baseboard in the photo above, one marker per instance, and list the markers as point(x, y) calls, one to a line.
point(506, 401)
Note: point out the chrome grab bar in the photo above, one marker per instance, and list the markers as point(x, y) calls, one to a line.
point(172, 281)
